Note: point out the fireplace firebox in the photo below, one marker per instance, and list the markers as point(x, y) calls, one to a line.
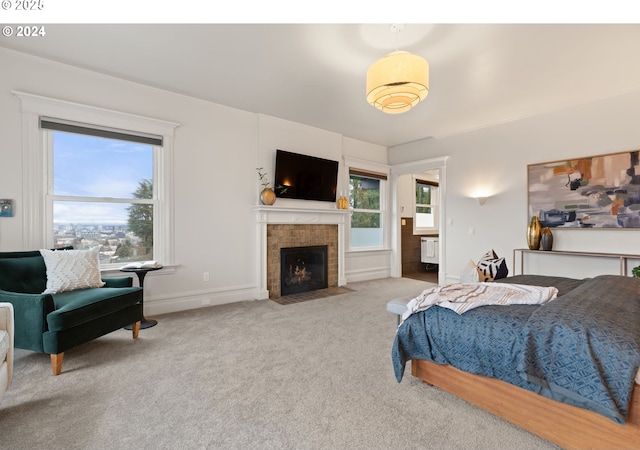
point(303, 269)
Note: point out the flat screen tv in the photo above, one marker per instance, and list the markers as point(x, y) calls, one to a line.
point(305, 177)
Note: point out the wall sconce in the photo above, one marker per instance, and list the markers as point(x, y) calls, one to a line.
point(481, 195)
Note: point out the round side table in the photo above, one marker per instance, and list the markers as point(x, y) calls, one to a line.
point(141, 272)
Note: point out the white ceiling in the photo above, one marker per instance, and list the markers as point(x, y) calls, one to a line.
point(314, 74)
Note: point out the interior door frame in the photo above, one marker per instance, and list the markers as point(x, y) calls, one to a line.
point(432, 164)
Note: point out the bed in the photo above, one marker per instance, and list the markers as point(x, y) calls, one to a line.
point(567, 370)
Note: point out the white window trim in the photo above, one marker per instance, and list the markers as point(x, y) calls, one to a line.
point(424, 230)
point(384, 201)
point(36, 232)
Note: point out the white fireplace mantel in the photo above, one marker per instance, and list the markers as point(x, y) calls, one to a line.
point(266, 215)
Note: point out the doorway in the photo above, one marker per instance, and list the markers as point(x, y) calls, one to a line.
point(411, 237)
point(419, 233)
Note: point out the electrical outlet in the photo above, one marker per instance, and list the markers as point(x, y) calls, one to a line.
point(205, 276)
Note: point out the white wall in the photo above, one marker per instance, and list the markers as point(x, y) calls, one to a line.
point(365, 151)
point(405, 195)
point(217, 150)
point(281, 134)
point(494, 161)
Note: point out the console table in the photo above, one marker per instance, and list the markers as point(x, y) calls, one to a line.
point(620, 256)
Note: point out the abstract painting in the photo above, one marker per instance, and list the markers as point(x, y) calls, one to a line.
point(594, 192)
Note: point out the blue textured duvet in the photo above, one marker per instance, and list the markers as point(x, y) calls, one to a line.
point(582, 348)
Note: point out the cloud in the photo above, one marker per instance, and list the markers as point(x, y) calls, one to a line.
point(84, 212)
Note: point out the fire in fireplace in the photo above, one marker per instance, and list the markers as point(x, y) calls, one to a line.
point(303, 269)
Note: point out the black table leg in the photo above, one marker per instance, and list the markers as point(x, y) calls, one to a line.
point(144, 323)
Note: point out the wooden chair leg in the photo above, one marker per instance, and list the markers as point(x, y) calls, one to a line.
point(56, 363)
point(135, 328)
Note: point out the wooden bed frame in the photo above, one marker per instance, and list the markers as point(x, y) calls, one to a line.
point(565, 425)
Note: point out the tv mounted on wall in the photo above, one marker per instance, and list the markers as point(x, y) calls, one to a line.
point(305, 177)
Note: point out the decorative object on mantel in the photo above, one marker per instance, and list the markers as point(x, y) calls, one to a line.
point(343, 202)
point(533, 233)
point(546, 240)
point(267, 195)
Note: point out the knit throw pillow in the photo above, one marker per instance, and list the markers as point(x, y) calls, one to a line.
point(470, 273)
point(68, 270)
point(490, 267)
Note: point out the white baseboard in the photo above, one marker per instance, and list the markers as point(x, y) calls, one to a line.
point(199, 299)
point(372, 273)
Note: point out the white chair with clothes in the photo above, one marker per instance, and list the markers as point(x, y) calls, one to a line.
point(6, 345)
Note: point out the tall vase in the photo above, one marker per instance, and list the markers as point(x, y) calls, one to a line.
point(533, 233)
point(267, 196)
point(546, 239)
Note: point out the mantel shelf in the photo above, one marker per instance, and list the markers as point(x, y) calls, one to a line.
point(263, 208)
point(623, 257)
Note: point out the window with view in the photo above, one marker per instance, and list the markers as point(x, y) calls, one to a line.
point(426, 208)
point(101, 190)
point(366, 193)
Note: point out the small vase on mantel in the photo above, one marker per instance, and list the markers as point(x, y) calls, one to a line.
point(546, 240)
point(533, 233)
point(267, 197)
point(343, 202)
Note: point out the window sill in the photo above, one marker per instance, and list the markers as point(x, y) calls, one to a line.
point(367, 250)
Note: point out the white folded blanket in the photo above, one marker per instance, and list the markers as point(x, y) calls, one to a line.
point(462, 297)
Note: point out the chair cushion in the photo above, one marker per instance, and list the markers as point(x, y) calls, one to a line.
point(27, 275)
point(84, 305)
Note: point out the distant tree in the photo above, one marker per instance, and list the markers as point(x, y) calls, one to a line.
point(364, 194)
point(141, 219)
point(124, 250)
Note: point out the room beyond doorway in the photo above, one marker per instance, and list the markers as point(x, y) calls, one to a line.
point(431, 277)
point(412, 265)
point(404, 203)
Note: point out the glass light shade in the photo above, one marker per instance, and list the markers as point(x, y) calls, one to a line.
point(397, 82)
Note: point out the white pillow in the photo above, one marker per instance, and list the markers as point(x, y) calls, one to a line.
point(68, 270)
point(470, 273)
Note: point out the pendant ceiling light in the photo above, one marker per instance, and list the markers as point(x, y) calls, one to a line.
point(398, 81)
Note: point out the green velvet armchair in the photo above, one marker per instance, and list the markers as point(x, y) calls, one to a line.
point(54, 323)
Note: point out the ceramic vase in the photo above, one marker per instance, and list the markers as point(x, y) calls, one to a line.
point(533, 233)
point(546, 240)
point(267, 196)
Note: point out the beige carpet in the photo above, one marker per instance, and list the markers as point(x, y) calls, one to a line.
point(250, 375)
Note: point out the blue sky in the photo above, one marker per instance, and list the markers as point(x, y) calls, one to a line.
point(90, 166)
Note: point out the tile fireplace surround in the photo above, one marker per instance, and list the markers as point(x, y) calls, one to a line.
point(278, 228)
